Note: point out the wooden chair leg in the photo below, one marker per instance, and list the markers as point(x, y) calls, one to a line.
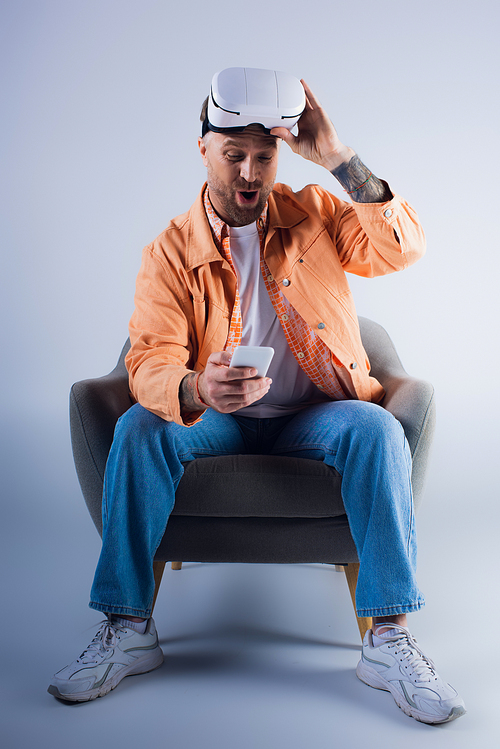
point(176, 565)
point(158, 568)
point(351, 573)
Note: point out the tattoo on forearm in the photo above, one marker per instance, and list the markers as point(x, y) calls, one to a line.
point(352, 174)
point(187, 393)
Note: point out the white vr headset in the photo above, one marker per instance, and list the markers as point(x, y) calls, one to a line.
point(248, 96)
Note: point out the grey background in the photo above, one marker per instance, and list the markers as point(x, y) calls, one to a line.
point(100, 104)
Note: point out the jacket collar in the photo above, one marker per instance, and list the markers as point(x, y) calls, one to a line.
point(201, 247)
point(283, 214)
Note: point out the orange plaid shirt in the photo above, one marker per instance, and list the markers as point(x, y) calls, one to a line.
point(312, 354)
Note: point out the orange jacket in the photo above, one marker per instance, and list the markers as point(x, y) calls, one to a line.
point(185, 289)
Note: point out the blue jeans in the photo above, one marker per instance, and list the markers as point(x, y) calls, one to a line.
point(362, 441)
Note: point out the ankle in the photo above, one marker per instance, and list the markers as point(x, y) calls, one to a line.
point(131, 622)
point(382, 624)
point(132, 618)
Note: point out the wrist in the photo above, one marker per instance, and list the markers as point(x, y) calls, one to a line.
point(190, 401)
point(197, 390)
point(338, 159)
point(360, 183)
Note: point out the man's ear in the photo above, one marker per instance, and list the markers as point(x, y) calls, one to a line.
point(203, 150)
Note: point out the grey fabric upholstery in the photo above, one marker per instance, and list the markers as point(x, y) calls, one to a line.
point(252, 508)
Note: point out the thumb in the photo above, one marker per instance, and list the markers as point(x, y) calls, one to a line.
point(284, 134)
point(220, 358)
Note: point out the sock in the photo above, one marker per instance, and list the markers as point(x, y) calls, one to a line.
point(379, 639)
point(139, 627)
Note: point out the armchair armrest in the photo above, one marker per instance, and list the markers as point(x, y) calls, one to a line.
point(412, 402)
point(95, 407)
point(409, 399)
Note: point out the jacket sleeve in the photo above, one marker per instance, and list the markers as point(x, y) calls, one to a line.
point(374, 239)
point(161, 339)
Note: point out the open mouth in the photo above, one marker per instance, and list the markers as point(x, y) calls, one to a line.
point(248, 197)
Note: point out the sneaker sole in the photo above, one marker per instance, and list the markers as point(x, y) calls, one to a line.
point(369, 676)
point(143, 666)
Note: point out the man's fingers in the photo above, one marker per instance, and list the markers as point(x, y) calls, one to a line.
point(311, 100)
point(240, 386)
point(242, 394)
point(284, 134)
point(238, 390)
point(241, 373)
point(225, 373)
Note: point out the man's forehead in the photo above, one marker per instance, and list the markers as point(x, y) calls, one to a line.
point(249, 138)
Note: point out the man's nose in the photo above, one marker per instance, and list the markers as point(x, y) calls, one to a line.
point(248, 169)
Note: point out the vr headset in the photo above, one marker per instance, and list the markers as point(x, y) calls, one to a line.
point(252, 96)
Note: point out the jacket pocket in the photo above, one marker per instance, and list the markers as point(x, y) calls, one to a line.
point(211, 329)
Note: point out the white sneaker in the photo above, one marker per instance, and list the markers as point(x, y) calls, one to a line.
point(399, 666)
point(115, 652)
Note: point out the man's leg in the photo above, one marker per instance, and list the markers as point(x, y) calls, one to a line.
point(143, 471)
point(144, 468)
point(367, 447)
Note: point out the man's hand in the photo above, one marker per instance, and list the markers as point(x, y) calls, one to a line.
point(317, 139)
point(225, 389)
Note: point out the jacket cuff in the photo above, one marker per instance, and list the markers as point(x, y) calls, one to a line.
point(387, 212)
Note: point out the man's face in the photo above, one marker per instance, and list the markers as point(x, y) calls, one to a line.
point(241, 169)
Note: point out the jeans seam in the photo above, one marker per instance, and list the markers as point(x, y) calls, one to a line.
point(309, 446)
point(403, 608)
point(184, 458)
point(412, 512)
point(106, 607)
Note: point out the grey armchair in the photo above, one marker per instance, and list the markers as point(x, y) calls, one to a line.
point(253, 508)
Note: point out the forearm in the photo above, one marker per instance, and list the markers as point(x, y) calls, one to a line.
point(360, 183)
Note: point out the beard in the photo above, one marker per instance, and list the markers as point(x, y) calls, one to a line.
point(238, 215)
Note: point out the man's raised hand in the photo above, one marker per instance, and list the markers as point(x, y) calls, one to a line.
point(317, 139)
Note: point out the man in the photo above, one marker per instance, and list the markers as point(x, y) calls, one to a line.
point(254, 263)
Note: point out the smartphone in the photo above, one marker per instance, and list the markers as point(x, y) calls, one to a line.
point(258, 357)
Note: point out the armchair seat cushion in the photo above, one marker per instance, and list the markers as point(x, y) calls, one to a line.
point(259, 486)
point(258, 540)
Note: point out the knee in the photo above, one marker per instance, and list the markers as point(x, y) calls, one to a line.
point(376, 424)
point(384, 424)
point(135, 423)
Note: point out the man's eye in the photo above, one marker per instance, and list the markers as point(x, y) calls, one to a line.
point(234, 156)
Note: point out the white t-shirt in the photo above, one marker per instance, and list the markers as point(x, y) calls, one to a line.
point(291, 389)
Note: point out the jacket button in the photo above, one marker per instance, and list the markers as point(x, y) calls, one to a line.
point(321, 325)
point(353, 365)
point(286, 282)
point(388, 213)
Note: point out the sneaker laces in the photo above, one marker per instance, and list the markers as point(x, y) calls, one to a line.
point(103, 642)
point(406, 646)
